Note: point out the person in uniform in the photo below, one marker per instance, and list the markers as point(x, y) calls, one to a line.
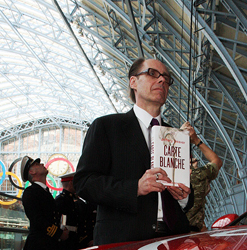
point(75, 215)
point(200, 180)
point(40, 208)
point(87, 219)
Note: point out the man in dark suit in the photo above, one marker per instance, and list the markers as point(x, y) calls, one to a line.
point(40, 208)
point(114, 168)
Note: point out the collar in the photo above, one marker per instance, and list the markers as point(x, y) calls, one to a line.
point(144, 116)
point(41, 184)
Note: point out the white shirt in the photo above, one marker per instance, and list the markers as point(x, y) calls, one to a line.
point(144, 119)
point(41, 184)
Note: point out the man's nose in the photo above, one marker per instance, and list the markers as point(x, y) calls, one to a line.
point(163, 80)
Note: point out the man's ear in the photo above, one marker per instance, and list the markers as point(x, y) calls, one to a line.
point(133, 82)
point(31, 171)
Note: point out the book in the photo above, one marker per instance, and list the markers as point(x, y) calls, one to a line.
point(63, 221)
point(63, 224)
point(170, 150)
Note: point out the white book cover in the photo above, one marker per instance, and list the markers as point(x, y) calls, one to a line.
point(63, 221)
point(170, 150)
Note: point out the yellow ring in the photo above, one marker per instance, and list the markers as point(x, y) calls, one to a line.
point(19, 193)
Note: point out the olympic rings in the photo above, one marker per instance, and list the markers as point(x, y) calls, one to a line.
point(58, 159)
point(47, 184)
point(19, 193)
point(26, 184)
point(10, 170)
point(20, 186)
point(54, 183)
point(4, 172)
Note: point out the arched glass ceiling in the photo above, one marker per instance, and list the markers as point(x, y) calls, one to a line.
point(43, 71)
point(66, 62)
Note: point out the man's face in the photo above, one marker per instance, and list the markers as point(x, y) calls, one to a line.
point(148, 89)
point(38, 169)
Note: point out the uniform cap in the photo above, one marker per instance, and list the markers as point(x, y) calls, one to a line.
point(67, 177)
point(26, 163)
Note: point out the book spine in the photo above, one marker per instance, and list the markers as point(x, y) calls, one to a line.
point(152, 149)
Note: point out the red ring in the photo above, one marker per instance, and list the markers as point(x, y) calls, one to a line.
point(48, 164)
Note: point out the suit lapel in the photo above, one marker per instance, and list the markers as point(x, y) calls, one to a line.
point(132, 131)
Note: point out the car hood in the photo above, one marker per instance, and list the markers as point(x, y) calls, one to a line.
point(229, 238)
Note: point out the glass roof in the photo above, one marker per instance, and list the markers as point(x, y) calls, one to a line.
point(44, 73)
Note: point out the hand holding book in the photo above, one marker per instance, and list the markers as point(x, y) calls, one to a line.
point(170, 151)
point(149, 181)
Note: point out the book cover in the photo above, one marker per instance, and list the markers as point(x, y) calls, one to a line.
point(63, 221)
point(170, 150)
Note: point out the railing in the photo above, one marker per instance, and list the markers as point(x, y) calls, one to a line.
point(12, 238)
point(13, 227)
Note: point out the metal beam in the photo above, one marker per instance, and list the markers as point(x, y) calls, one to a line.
point(135, 30)
point(218, 46)
point(83, 52)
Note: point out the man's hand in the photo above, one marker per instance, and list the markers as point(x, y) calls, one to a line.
point(179, 193)
point(193, 136)
point(65, 234)
point(148, 182)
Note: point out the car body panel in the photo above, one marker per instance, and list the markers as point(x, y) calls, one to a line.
point(228, 238)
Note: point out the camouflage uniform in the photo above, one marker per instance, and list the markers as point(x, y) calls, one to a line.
point(200, 179)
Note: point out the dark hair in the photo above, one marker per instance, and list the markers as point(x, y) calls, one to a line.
point(134, 69)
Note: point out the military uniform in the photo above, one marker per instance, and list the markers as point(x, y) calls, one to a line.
point(87, 220)
point(200, 179)
point(76, 212)
point(40, 209)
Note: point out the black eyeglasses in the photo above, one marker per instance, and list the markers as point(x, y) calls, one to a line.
point(156, 74)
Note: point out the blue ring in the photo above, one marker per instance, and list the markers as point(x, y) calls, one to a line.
point(4, 172)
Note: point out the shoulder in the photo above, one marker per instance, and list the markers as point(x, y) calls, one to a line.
point(209, 171)
point(115, 117)
point(212, 170)
point(32, 188)
point(112, 121)
point(32, 192)
point(59, 197)
point(64, 196)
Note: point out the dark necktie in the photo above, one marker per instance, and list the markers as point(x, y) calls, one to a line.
point(166, 198)
point(154, 122)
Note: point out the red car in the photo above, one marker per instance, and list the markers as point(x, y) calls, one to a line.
point(231, 236)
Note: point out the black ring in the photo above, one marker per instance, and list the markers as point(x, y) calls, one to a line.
point(10, 170)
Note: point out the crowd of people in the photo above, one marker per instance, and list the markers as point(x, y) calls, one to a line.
point(114, 173)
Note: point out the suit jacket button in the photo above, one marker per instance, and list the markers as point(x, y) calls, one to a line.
point(154, 226)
